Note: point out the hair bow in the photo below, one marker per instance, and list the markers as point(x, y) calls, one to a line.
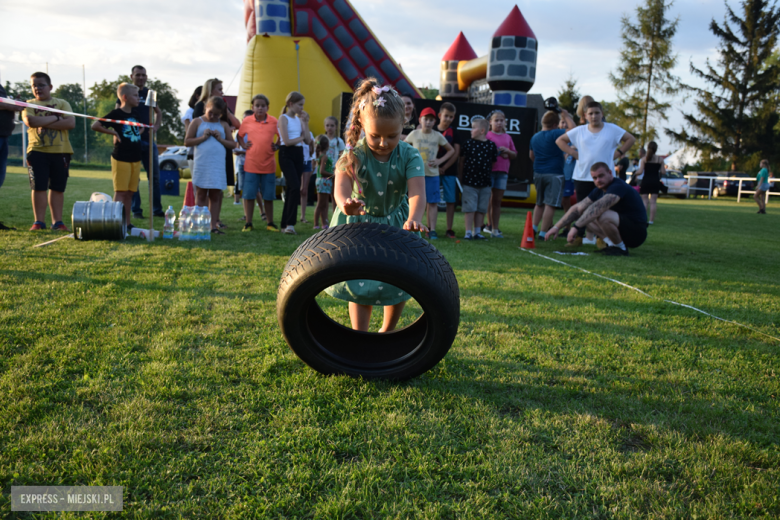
point(362, 105)
point(378, 90)
point(380, 102)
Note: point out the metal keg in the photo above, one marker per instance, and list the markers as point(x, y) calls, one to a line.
point(99, 221)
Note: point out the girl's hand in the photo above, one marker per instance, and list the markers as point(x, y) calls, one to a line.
point(433, 163)
point(247, 145)
point(414, 225)
point(305, 116)
point(354, 207)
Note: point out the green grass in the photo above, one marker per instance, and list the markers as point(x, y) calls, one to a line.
point(161, 368)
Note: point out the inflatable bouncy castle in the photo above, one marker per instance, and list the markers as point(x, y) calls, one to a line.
point(319, 47)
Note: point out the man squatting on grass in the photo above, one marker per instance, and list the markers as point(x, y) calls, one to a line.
point(613, 211)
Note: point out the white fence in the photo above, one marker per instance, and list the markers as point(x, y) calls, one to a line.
point(694, 178)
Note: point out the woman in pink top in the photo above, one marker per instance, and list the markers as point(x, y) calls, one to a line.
point(506, 152)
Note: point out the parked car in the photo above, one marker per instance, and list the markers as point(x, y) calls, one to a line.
point(732, 187)
point(703, 182)
point(675, 183)
point(174, 158)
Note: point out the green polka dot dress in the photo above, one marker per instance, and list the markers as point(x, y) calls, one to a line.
point(384, 187)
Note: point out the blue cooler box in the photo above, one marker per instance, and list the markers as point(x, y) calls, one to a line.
point(169, 182)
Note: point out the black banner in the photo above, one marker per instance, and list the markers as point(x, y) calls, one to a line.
point(521, 124)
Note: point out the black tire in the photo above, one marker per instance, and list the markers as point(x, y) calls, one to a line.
point(375, 252)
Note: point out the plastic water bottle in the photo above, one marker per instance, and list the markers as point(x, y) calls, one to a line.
point(194, 230)
point(170, 218)
point(184, 223)
point(206, 216)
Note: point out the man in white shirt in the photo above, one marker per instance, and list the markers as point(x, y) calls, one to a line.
point(593, 143)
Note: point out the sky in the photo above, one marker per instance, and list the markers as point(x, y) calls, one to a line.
point(184, 43)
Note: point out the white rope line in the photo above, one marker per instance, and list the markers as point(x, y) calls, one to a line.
point(653, 297)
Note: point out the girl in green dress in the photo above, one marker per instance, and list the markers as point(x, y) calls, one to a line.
point(379, 179)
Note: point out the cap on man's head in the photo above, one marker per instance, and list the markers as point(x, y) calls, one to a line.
point(428, 112)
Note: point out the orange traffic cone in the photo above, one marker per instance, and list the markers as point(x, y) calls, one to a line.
point(189, 195)
point(528, 234)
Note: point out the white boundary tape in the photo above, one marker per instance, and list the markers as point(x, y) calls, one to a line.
point(10, 101)
point(652, 297)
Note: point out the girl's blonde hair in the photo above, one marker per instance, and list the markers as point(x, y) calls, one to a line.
point(335, 122)
point(292, 98)
point(205, 94)
point(584, 101)
point(384, 103)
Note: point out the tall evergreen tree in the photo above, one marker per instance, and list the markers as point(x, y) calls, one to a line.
point(644, 75)
point(569, 96)
point(737, 114)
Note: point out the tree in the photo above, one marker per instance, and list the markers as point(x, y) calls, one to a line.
point(172, 129)
point(19, 90)
point(569, 97)
point(736, 116)
point(645, 70)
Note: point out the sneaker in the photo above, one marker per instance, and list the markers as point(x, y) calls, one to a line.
point(468, 236)
point(242, 219)
point(577, 242)
point(289, 230)
point(160, 214)
point(262, 216)
point(59, 226)
point(601, 244)
point(497, 233)
point(615, 251)
point(450, 234)
point(650, 223)
point(247, 227)
point(589, 241)
point(237, 203)
point(316, 227)
point(138, 215)
point(480, 236)
point(487, 229)
point(3, 227)
point(37, 226)
point(432, 235)
point(271, 227)
point(217, 231)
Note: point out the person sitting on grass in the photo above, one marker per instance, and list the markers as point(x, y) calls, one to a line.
point(127, 153)
point(48, 152)
point(613, 211)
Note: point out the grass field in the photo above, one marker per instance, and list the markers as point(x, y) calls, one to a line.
point(160, 367)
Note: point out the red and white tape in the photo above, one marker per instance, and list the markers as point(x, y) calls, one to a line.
point(49, 109)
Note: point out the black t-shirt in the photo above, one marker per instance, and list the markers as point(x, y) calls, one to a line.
point(452, 137)
point(140, 113)
point(409, 126)
point(6, 118)
point(622, 166)
point(478, 159)
point(128, 149)
point(630, 204)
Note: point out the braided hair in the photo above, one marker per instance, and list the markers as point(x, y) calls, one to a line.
point(366, 102)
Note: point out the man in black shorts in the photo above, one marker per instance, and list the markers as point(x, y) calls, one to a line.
point(613, 211)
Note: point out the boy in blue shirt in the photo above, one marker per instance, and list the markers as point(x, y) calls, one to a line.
point(548, 169)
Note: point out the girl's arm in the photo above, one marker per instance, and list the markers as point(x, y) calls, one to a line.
point(511, 154)
point(228, 141)
point(305, 132)
point(323, 163)
point(234, 122)
point(192, 131)
point(285, 136)
point(342, 189)
point(641, 168)
point(416, 186)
